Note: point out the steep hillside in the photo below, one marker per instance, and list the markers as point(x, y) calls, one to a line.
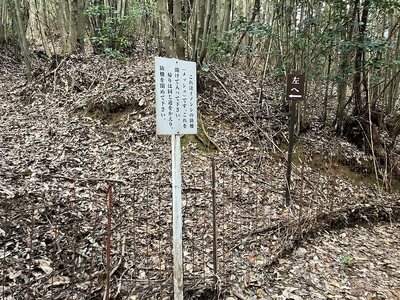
point(84, 123)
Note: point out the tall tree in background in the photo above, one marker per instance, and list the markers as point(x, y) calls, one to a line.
point(178, 28)
point(4, 19)
point(346, 28)
point(198, 17)
point(205, 24)
point(42, 25)
point(21, 32)
point(388, 93)
point(81, 26)
point(227, 17)
point(172, 27)
point(209, 22)
point(71, 26)
point(254, 14)
point(166, 28)
point(360, 78)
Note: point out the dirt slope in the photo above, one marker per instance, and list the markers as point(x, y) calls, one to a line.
point(90, 122)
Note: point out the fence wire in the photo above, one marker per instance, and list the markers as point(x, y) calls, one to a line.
point(53, 240)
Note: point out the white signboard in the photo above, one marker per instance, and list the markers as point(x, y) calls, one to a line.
point(176, 96)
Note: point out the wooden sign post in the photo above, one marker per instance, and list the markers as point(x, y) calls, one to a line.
point(294, 93)
point(176, 109)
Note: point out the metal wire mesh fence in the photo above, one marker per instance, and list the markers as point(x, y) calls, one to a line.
point(53, 241)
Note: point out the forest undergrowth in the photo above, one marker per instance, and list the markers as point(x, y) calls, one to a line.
point(91, 119)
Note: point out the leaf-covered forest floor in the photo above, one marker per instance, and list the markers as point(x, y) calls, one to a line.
point(91, 119)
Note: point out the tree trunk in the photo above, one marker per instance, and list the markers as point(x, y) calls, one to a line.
point(344, 64)
point(80, 29)
point(256, 10)
point(62, 23)
point(70, 19)
point(25, 9)
point(3, 22)
point(171, 23)
point(328, 73)
point(179, 36)
point(72, 26)
point(206, 30)
point(197, 40)
point(22, 39)
point(166, 28)
point(393, 89)
point(227, 17)
point(359, 63)
point(41, 11)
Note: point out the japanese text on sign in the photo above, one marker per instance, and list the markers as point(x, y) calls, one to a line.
point(295, 87)
point(176, 96)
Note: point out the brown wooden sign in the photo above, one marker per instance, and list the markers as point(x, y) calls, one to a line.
point(295, 86)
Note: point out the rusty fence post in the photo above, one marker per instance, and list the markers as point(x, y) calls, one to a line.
point(108, 246)
point(214, 199)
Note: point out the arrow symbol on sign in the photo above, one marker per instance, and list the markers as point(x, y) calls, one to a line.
point(295, 96)
point(294, 89)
